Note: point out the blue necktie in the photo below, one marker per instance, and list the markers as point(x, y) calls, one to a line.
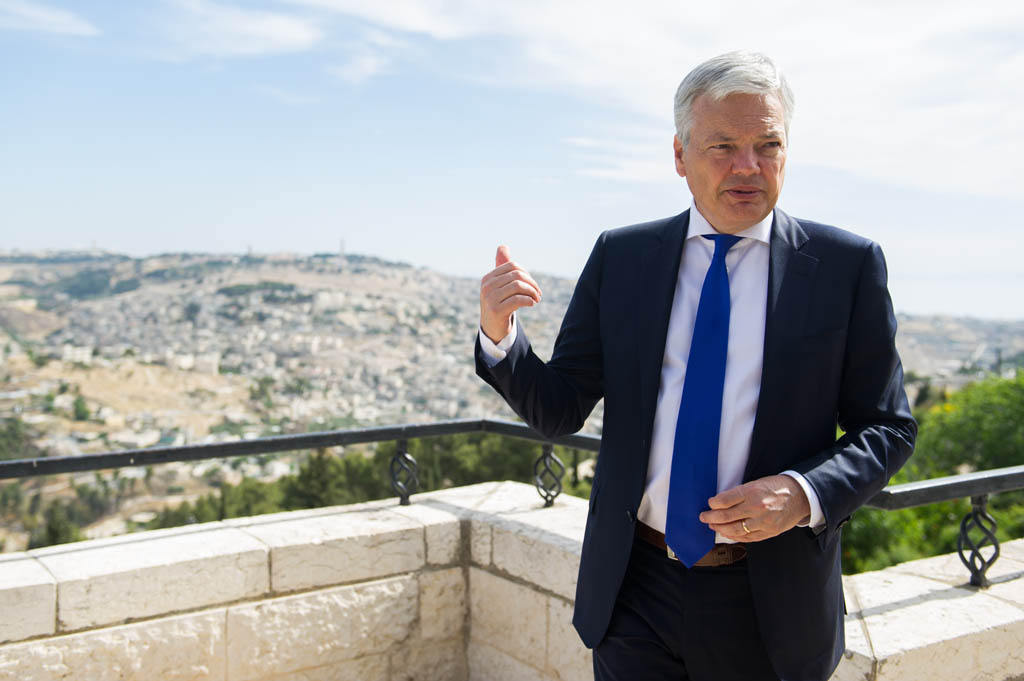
point(695, 452)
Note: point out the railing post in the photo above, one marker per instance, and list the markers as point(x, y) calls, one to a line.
point(576, 467)
point(404, 472)
point(978, 518)
point(545, 477)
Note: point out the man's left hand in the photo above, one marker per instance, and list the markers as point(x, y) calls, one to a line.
point(758, 510)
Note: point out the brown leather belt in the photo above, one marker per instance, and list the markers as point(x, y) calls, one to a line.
point(722, 554)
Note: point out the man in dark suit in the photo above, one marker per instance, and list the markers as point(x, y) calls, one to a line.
point(727, 342)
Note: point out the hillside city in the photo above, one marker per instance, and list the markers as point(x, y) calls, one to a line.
point(103, 352)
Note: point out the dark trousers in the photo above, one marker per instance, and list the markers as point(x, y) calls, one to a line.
point(679, 624)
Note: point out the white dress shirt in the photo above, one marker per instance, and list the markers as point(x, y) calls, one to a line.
point(747, 266)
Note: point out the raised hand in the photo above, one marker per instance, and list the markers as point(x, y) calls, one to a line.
point(504, 290)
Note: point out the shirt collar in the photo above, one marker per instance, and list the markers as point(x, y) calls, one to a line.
point(699, 226)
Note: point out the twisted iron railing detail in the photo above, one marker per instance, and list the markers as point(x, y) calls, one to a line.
point(548, 470)
point(978, 519)
point(405, 480)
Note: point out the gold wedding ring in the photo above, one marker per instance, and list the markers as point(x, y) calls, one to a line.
point(745, 528)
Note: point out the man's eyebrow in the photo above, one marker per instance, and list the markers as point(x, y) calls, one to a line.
point(726, 137)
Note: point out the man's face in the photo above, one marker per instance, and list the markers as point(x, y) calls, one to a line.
point(736, 159)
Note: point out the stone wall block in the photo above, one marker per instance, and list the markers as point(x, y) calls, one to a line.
point(568, 658)
point(28, 598)
point(858, 661)
point(137, 576)
point(344, 547)
point(490, 664)
point(181, 648)
point(508, 616)
point(431, 661)
point(370, 668)
point(442, 604)
point(924, 628)
point(322, 628)
point(993, 655)
point(549, 560)
point(480, 541)
point(442, 527)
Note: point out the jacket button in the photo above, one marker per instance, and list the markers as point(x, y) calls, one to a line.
point(629, 516)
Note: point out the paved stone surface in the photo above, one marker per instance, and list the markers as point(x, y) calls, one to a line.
point(134, 576)
point(28, 598)
point(497, 602)
point(344, 547)
point(284, 635)
point(183, 648)
point(442, 604)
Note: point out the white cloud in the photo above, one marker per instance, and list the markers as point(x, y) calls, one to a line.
point(925, 94)
point(31, 16)
point(226, 31)
point(359, 68)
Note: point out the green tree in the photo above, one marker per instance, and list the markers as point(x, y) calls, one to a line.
point(57, 528)
point(979, 427)
point(14, 439)
point(249, 498)
point(320, 482)
point(261, 391)
point(79, 409)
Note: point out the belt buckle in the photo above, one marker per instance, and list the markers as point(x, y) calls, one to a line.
point(670, 552)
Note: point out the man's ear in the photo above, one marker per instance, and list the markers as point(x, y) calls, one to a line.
point(677, 149)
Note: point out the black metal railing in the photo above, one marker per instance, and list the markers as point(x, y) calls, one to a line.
point(548, 471)
point(977, 523)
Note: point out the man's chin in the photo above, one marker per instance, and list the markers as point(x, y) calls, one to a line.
point(734, 221)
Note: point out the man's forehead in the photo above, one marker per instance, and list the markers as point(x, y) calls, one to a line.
point(738, 115)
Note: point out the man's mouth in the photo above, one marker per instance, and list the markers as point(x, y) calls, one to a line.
point(743, 192)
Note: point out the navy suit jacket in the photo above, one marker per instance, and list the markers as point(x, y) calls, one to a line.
point(829, 357)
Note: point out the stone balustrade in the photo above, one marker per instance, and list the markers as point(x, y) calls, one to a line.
point(473, 583)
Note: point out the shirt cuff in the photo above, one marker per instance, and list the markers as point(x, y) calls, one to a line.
point(817, 519)
point(495, 352)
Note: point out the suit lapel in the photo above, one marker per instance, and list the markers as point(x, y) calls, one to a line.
point(790, 273)
point(658, 275)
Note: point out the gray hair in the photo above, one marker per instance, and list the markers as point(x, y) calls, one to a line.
point(742, 72)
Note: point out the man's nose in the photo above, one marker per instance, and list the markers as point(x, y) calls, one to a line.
point(745, 162)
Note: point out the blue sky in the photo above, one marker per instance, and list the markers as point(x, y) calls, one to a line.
point(429, 131)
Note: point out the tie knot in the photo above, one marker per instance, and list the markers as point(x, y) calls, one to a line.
point(723, 242)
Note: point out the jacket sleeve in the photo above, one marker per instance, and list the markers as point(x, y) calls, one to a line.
point(872, 407)
point(556, 397)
